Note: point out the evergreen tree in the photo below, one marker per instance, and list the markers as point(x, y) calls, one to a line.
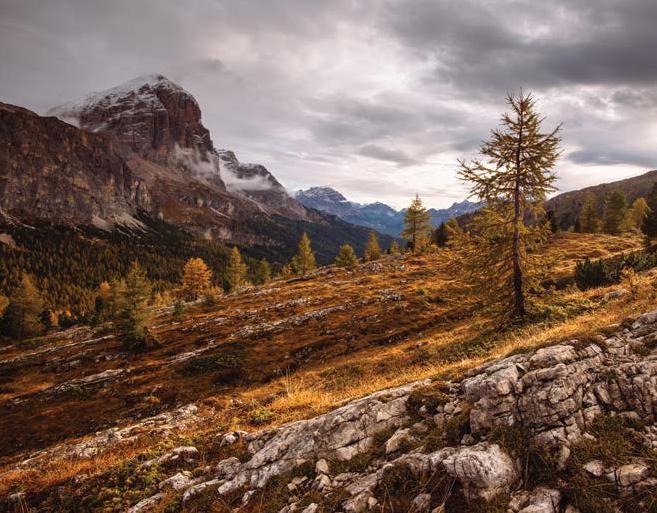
point(637, 214)
point(196, 278)
point(551, 220)
point(372, 249)
point(589, 221)
point(22, 317)
point(262, 272)
point(130, 299)
point(304, 261)
point(453, 228)
point(235, 272)
point(4, 303)
point(500, 253)
point(286, 272)
point(440, 236)
point(178, 309)
point(416, 225)
point(615, 213)
point(649, 225)
point(394, 248)
point(346, 256)
point(103, 301)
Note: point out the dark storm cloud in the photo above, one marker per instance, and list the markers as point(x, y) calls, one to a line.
point(522, 42)
point(380, 96)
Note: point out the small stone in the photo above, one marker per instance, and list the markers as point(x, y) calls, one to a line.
point(322, 482)
point(311, 508)
point(468, 439)
point(401, 438)
point(421, 503)
point(322, 467)
point(627, 475)
point(247, 496)
point(372, 502)
point(595, 468)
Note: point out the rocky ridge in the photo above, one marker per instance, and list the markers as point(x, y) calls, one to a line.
point(458, 446)
point(141, 149)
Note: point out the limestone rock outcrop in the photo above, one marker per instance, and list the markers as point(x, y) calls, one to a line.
point(554, 395)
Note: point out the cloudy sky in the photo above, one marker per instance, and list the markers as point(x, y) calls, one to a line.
point(377, 98)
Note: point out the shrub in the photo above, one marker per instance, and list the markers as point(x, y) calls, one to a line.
point(261, 416)
point(598, 273)
point(227, 365)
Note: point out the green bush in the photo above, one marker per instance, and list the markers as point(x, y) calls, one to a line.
point(599, 273)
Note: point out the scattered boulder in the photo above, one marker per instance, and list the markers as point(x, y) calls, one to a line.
point(484, 470)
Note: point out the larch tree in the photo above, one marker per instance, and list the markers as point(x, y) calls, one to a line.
point(615, 213)
point(235, 272)
point(500, 252)
point(22, 316)
point(346, 257)
point(372, 248)
point(416, 225)
point(131, 299)
point(286, 272)
point(4, 303)
point(304, 261)
point(637, 213)
point(103, 302)
point(589, 221)
point(197, 278)
point(649, 225)
point(394, 248)
point(262, 272)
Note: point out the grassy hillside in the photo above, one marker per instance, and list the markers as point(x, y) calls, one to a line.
point(269, 355)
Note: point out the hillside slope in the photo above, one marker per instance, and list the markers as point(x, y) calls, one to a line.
point(568, 205)
point(283, 352)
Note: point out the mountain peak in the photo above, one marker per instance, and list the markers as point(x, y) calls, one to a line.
point(321, 194)
point(149, 114)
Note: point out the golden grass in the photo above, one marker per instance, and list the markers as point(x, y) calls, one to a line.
point(342, 372)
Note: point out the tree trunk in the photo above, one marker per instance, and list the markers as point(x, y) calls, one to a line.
point(518, 293)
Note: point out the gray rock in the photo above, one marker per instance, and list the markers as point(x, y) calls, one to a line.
point(179, 481)
point(631, 474)
point(484, 470)
point(147, 504)
point(322, 466)
point(399, 439)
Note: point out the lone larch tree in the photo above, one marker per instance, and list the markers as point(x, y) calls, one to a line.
point(512, 178)
point(304, 261)
point(416, 225)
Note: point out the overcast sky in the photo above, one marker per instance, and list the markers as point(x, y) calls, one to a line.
point(375, 98)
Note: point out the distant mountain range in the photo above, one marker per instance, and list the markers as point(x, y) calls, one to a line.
point(377, 216)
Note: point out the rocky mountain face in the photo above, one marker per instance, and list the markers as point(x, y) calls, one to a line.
point(150, 115)
point(377, 216)
point(567, 206)
point(141, 148)
point(46, 171)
